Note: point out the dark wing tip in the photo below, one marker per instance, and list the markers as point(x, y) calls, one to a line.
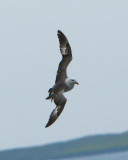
point(47, 125)
point(61, 35)
point(50, 122)
point(59, 31)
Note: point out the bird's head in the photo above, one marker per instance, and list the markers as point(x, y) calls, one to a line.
point(73, 81)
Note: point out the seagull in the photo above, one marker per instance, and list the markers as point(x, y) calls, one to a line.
point(62, 82)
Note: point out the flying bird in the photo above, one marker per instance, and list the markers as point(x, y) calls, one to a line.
point(62, 83)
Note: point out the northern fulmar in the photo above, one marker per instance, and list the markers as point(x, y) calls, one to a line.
point(62, 83)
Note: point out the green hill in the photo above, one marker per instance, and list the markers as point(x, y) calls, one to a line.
point(79, 147)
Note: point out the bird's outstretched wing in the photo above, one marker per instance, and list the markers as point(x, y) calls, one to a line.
point(60, 101)
point(66, 56)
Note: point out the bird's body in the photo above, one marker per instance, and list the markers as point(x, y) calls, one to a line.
point(62, 83)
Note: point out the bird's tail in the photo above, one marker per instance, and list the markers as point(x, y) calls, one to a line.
point(50, 96)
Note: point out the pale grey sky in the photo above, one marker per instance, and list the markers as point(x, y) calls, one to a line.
point(29, 55)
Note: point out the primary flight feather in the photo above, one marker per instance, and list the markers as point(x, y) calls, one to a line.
point(62, 83)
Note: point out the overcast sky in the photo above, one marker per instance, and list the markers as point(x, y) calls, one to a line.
point(29, 55)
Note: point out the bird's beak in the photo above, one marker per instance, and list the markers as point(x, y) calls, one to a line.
point(76, 83)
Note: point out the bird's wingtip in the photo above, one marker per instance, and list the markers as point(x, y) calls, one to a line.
point(46, 126)
point(59, 32)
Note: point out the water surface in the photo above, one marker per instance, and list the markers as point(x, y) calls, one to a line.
point(110, 156)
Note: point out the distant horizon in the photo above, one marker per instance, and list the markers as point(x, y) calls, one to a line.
point(11, 149)
point(81, 147)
